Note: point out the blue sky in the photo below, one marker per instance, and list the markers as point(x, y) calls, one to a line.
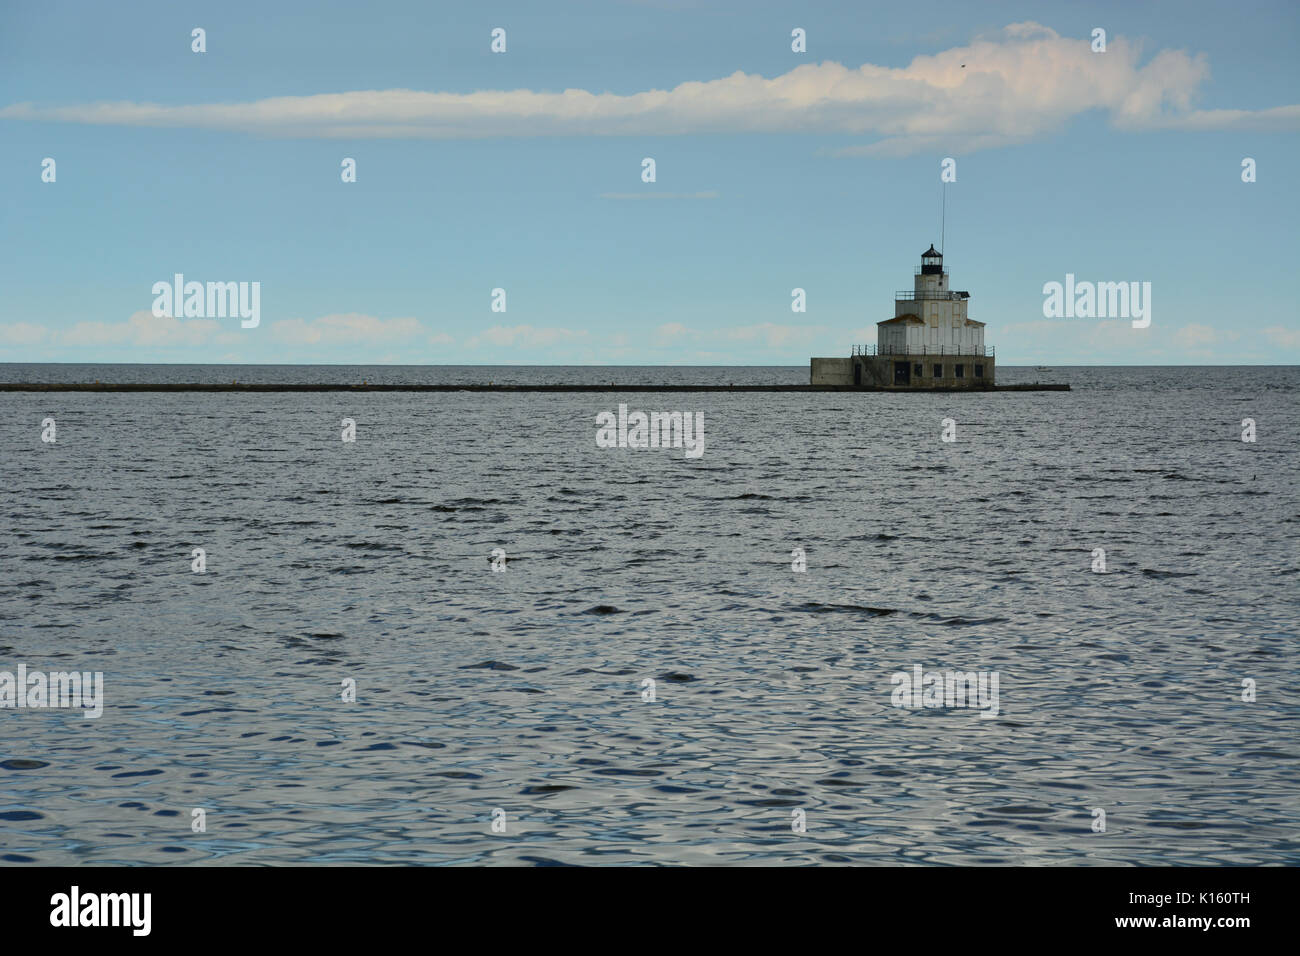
point(775, 170)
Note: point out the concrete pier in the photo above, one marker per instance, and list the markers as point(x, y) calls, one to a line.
point(368, 387)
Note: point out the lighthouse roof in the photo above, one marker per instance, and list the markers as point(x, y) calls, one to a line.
point(931, 252)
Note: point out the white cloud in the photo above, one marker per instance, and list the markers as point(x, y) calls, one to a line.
point(1077, 336)
point(1115, 341)
point(1281, 337)
point(23, 333)
point(350, 328)
point(1279, 117)
point(524, 336)
point(669, 332)
point(654, 195)
point(767, 335)
point(146, 330)
point(772, 335)
point(1192, 336)
point(1023, 82)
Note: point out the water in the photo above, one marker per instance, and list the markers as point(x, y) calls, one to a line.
point(522, 691)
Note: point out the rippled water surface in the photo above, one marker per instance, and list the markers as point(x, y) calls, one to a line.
point(522, 691)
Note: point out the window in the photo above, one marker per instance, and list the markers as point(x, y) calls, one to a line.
point(917, 370)
point(938, 371)
point(979, 371)
point(961, 371)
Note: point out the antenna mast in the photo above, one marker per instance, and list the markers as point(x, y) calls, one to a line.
point(943, 216)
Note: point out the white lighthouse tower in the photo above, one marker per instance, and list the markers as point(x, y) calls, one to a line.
point(931, 319)
point(931, 342)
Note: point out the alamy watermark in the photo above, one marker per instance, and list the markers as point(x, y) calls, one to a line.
point(75, 908)
point(922, 688)
point(57, 689)
point(1098, 300)
point(656, 430)
point(212, 300)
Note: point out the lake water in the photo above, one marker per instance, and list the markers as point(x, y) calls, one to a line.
point(522, 691)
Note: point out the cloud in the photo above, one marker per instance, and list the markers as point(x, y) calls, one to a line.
point(1282, 338)
point(652, 195)
point(767, 335)
point(1023, 82)
point(1279, 117)
point(351, 328)
point(672, 330)
point(1083, 336)
point(1192, 336)
point(23, 333)
point(525, 336)
point(1116, 342)
point(146, 330)
point(772, 335)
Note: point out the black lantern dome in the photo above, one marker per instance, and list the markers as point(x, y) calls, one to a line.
point(931, 262)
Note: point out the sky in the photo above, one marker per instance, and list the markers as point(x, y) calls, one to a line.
point(522, 170)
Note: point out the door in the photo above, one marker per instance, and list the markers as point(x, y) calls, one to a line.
point(857, 373)
point(902, 373)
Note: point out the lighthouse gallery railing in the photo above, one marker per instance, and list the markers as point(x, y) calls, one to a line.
point(924, 350)
point(911, 295)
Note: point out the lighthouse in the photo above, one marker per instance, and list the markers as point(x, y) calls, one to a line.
point(931, 341)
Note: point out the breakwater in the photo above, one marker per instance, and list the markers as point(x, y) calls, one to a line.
point(490, 387)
